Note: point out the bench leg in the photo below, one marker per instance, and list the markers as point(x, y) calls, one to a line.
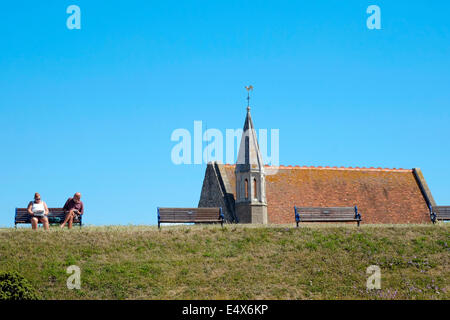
point(159, 226)
point(359, 223)
point(297, 223)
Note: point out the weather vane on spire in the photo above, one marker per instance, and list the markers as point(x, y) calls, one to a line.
point(249, 88)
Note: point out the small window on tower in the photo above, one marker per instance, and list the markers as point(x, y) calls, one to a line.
point(254, 188)
point(246, 189)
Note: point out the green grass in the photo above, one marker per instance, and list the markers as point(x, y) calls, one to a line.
point(236, 262)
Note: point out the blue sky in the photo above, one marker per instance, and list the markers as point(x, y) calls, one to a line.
point(92, 110)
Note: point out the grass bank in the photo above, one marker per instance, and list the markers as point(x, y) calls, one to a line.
point(236, 262)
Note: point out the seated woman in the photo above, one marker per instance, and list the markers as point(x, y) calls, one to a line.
point(38, 211)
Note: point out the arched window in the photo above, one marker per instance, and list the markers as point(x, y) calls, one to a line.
point(246, 189)
point(255, 194)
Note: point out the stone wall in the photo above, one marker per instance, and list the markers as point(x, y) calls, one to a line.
point(215, 191)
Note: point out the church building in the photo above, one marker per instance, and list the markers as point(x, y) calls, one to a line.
point(251, 192)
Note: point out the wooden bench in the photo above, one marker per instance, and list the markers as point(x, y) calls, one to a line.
point(55, 216)
point(440, 213)
point(190, 215)
point(332, 214)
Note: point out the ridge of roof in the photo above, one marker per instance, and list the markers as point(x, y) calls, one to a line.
point(297, 167)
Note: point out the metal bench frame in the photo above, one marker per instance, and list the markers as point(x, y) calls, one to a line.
point(356, 218)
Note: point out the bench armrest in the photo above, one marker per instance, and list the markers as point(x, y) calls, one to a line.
point(433, 217)
point(432, 214)
point(297, 215)
point(357, 214)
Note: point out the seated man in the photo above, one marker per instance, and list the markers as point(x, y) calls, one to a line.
point(73, 208)
point(38, 211)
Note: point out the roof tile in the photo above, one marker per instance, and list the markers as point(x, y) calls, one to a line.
point(382, 195)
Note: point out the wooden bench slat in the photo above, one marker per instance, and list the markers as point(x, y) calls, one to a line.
point(188, 220)
point(189, 210)
point(190, 215)
point(326, 214)
point(325, 219)
point(187, 217)
point(328, 218)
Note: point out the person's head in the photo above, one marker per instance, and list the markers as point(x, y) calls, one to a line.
point(37, 197)
point(77, 197)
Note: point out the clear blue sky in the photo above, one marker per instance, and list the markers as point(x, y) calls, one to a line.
point(92, 110)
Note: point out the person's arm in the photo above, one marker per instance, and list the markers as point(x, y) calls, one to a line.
point(66, 206)
point(30, 205)
point(82, 208)
point(46, 208)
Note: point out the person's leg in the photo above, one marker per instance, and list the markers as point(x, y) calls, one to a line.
point(71, 220)
point(68, 215)
point(34, 223)
point(45, 223)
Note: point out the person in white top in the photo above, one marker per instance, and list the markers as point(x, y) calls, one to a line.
point(38, 211)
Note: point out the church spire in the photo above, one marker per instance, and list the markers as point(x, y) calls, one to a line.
point(251, 205)
point(249, 155)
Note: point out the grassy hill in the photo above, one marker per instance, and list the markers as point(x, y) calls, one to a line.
point(237, 262)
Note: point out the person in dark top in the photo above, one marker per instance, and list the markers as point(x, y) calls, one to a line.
point(73, 208)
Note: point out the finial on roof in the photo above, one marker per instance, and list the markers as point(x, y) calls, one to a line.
point(249, 88)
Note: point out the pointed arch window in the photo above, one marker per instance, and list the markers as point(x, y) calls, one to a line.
point(246, 188)
point(255, 194)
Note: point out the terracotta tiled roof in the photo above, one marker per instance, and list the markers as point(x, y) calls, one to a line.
point(382, 195)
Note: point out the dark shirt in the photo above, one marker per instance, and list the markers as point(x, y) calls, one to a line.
point(71, 204)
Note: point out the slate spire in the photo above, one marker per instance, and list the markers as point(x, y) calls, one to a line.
point(249, 155)
point(251, 205)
